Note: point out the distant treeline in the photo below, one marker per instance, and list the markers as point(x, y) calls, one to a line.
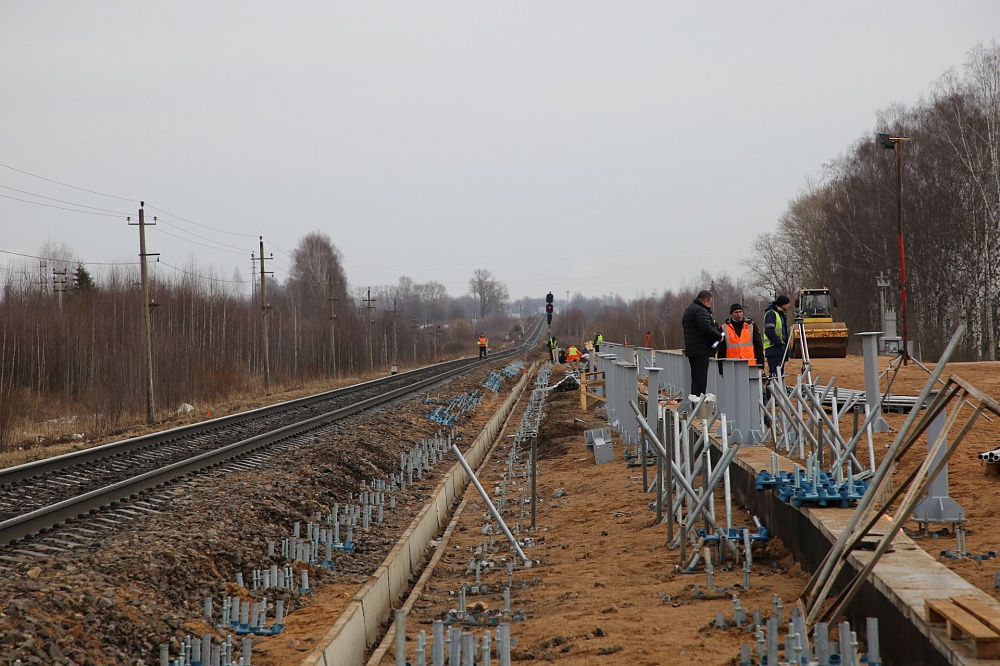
point(76, 346)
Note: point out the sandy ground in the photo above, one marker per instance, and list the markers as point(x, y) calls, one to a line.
point(606, 589)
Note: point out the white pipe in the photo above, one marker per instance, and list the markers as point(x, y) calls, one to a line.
point(725, 479)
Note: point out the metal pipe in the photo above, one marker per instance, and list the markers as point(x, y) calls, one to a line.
point(681, 480)
point(489, 504)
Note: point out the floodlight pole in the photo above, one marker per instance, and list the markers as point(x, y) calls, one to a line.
point(896, 143)
point(902, 257)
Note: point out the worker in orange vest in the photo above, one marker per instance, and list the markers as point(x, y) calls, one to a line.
point(742, 338)
point(482, 346)
point(573, 353)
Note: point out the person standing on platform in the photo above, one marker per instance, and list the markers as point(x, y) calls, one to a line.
point(702, 336)
point(776, 333)
point(742, 340)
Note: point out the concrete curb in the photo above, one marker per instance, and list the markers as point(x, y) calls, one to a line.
point(360, 626)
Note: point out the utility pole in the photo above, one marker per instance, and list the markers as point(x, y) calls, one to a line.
point(59, 284)
point(333, 324)
point(437, 332)
point(264, 308)
point(395, 341)
point(371, 349)
point(416, 334)
point(43, 276)
point(147, 307)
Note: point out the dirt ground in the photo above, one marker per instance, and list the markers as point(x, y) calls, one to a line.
point(606, 589)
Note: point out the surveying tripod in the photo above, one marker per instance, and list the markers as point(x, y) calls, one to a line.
point(800, 329)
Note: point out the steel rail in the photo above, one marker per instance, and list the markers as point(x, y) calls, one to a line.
point(45, 466)
point(19, 527)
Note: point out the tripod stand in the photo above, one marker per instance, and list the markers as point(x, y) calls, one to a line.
point(800, 331)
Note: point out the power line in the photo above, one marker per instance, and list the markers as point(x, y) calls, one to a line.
point(39, 203)
point(186, 240)
point(161, 221)
point(116, 213)
point(73, 261)
point(204, 226)
point(71, 203)
point(82, 189)
point(202, 277)
point(271, 244)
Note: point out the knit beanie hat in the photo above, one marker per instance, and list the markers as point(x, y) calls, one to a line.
point(734, 307)
point(781, 300)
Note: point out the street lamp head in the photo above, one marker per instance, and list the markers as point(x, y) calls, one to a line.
point(886, 141)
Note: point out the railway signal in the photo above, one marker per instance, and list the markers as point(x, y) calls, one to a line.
point(548, 308)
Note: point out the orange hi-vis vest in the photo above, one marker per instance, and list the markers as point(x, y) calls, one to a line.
point(740, 346)
point(482, 340)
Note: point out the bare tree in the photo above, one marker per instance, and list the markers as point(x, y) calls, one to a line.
point(490, 294)
point(314, 261)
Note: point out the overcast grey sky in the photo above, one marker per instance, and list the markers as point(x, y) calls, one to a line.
point(599, 147)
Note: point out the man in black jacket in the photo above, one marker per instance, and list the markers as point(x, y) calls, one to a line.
point(702, 336)
point(776, 332)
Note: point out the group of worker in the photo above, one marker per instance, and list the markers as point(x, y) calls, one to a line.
point(568, 355)
point(572, 353)
point(739, 337)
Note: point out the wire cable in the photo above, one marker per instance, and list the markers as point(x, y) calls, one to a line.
point(204, 226)
point(71, 203)
point(202, 277)
point(5, 166)
point(162, 221)
point(187, 240)
point(39, 203)
point(64, 261)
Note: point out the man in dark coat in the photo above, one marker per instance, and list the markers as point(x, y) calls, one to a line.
point(702, 336)
point(776, 332)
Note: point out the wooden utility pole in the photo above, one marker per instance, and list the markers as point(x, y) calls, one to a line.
point(333, 322)
point(371, 347)
point(415, 327)
point(264, 307)
point(395, 340)
point(147, 307)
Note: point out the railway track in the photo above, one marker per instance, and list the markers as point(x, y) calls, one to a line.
point(41, 495)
